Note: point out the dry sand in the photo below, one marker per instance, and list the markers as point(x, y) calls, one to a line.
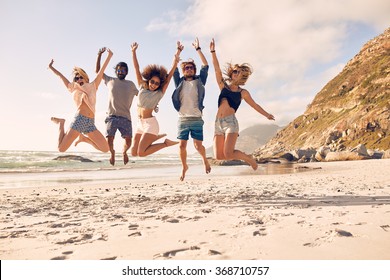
point(337, 210)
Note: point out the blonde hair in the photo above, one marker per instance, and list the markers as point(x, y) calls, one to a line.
point(245, 71)
point(81, 72)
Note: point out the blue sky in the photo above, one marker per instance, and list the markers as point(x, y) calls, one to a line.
point(294, 46)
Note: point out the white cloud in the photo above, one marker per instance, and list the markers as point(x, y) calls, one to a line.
point(283, 41)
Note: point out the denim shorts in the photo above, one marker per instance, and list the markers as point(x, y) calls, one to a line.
point(188, 125)
point(226, 125)
point(83, 124)
point(114, 123)
point(149, 125)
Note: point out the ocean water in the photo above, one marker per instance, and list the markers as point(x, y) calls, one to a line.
point(25, 169)
point(44, 161)
point(39, 168)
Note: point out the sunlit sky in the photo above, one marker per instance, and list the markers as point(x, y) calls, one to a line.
point(294, 46)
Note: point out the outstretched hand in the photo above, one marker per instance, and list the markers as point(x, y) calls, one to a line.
point(109, 51)
point(196, 43)
point(212, 45)
point(134, 46)
point(102, 50)
point(51, 64)
point(180, 47)
point(270, 117)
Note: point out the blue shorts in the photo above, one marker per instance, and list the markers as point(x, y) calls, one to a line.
point(83, 124)
point(114, 123)
point(189, 125)
point(226, 125)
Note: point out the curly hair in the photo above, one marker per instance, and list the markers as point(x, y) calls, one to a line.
point(81, 72)
point(245, 71)
point(153, 70)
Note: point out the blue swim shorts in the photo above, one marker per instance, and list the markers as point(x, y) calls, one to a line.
point(226, 125)
point(190, 125)
point(114, 123)
point(83, 124)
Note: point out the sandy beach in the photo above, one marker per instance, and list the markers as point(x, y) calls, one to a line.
point(334, 210)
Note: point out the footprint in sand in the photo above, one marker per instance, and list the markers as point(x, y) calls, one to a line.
point(329, 237)
point(109, 258)
point(67, 252)
point(214, 252)
point(59, 258)
point(260, 232)
point(385, 227)
point(173, 253)
point(137, 233)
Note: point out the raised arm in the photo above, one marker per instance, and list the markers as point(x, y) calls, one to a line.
point(248, 99)
point(100, 52)
point(199, 51)
point(176, 60)
point(140, 81)
point(58, 73)
point(99, 76)
point(217, 68)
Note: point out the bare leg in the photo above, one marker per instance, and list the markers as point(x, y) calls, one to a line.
point(231, 153)
point(183, 158)
point(126, 147)
point(202, 151)
point(219, 145)
point(146, 147)
point(110, 140)
point(64, 139)
point(61, 123)
point(96, 139)
point(135, 144)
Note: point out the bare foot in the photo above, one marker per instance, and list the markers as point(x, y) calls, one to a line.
point(170, 142)
point(57, 120)
point(80, 139)
point(253, 163)
point(112, 157)
point(183, 172)
point(125, 158)
point(207, 167)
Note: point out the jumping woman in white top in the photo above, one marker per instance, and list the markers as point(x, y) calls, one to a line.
point(153, 82)
point(84, 96)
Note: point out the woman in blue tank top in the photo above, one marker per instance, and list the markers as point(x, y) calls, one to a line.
point(229, 100)
point(153, 82)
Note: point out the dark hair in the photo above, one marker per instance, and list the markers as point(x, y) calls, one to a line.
point(122, 64)
point(153, 70)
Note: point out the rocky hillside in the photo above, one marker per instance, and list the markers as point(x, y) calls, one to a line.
point(352, 109)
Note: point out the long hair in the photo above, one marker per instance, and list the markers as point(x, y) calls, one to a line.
point(245, 71)
point(81, 72)
point(153, 70)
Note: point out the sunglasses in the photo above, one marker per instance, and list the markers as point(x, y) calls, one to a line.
point(77, 78)
point(121, 71)
point(153, 82)
point(236, 72)
point(189, 68)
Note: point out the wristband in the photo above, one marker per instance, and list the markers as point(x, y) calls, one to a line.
point(212, 51)
point(198, 48)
